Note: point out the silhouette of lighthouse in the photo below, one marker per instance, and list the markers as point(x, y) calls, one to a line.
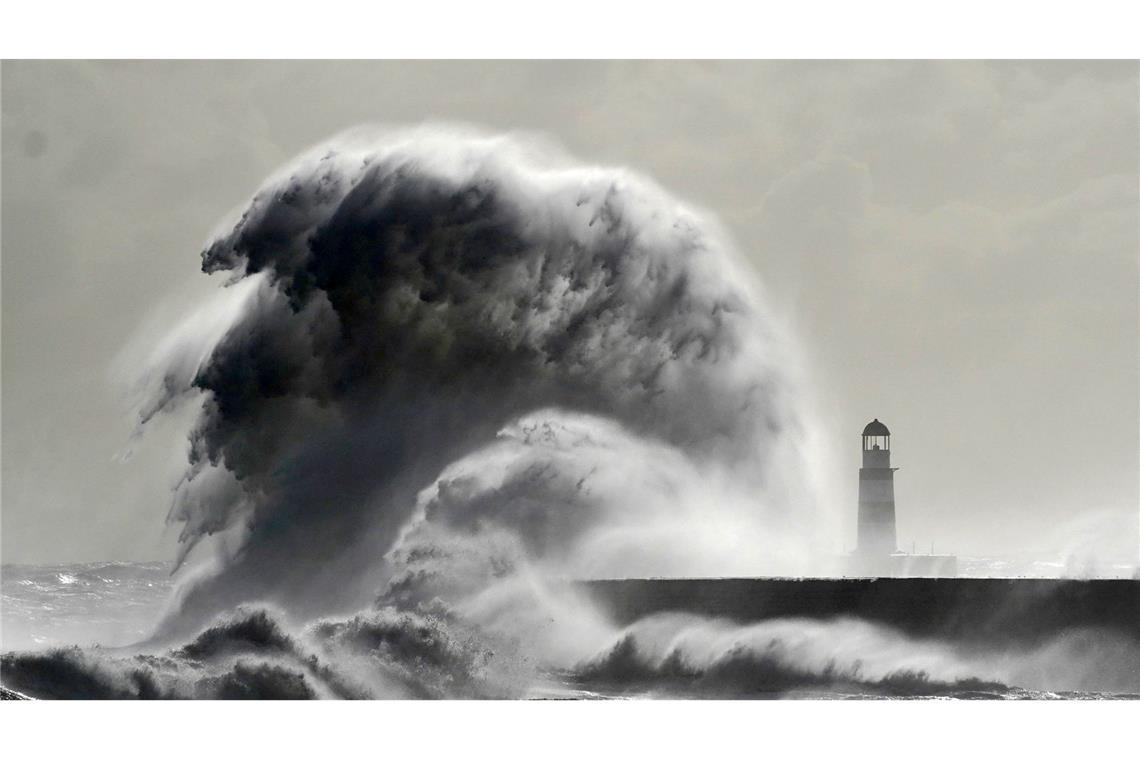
point(876, 537)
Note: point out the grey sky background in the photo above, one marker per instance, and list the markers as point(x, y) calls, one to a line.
point(956, 245)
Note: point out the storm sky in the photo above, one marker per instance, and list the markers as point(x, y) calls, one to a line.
point(955, 245)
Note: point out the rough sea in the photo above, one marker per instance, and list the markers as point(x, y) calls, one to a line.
point(73, 631)
point(106, 603)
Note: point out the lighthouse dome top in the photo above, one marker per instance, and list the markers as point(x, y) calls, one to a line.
point(874, 427)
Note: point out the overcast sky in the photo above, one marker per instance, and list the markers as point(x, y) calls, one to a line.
point(956, 245)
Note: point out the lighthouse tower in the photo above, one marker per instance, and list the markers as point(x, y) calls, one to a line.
point(876, 540)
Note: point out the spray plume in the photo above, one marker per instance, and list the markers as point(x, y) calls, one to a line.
point(543, 334)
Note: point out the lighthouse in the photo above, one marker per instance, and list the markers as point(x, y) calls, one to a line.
point(876, 537)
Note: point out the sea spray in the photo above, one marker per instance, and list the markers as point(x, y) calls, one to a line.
point(415, 301)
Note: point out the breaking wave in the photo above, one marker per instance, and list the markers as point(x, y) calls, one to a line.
point(251, 656)
point(439, 346)
point(386, 653)
point(678, 654)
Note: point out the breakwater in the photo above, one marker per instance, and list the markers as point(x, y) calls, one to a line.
point(968, 609)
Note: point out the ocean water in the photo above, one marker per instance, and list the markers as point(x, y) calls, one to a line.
point(69, 631)
point(109, 604)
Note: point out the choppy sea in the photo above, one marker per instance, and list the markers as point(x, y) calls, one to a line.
point(102, 603)
point(67, 622)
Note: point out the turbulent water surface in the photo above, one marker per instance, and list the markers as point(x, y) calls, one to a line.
point(450, 371)
point(383, 653)
point(107, 603)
